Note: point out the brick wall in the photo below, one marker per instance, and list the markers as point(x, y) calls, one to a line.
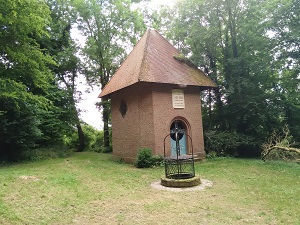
point(149, 116)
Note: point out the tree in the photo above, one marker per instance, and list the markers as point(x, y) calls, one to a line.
point(110, 26)
point(229, 41)
point(24, 75)
point(63, 50)
point(281, 142)
point(284, 31)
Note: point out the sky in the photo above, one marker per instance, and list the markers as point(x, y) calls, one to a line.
point(89, 113)
point(155, 3)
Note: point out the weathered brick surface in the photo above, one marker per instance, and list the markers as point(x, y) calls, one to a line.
point(149, 116)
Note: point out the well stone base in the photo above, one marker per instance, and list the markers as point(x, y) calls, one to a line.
point(181, 183)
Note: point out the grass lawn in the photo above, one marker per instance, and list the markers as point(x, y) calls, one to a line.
point(90, 188)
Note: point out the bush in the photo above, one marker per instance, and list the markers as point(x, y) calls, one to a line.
point(228, 143)
point(279, 146)
point(145, 159)
point(45, 153)
point(212, 155)
point(93, 139)
point(158, 160)
point(278, 154)
point(103, 149)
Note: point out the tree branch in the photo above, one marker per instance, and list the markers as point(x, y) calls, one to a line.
point(266, 152)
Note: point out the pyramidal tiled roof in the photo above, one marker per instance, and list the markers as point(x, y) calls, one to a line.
point(153, 60)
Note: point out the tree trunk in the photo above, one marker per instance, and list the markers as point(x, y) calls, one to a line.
point(219, 103)
point(210, 108)
point(268, 151)
point(105, 124)
point(81, 145)
point(232, 30)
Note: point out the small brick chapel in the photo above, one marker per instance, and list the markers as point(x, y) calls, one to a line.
point(153, 88)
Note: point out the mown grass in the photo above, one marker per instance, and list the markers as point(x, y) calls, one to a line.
point(91, 188)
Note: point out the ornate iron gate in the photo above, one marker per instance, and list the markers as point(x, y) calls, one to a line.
point(179, 166)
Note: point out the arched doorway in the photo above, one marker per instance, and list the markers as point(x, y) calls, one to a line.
point(180, 124)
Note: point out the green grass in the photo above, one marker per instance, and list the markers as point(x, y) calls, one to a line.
point(91, 188)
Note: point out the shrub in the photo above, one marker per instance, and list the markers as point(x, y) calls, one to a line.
point(158, 160)
point(104, 149)
point(93, 139)
point(278, 154)
point(212, 155)
point(50, 152)
point(279, 146)
point(145, 159)
point(228, 143)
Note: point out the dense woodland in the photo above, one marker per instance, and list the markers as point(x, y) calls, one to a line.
point(250, 48)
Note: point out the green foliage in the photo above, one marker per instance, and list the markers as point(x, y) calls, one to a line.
point(93, 139)
point(212, 155)
point(109, 27)
point(19, 123)
point(157, 160)
point(22, 60)
point(227, 143)
point(57, 119)
point(146, 159)
point(53, 152)
point(25, 79)
point(251, 50)
point(279, 146)
point(104, 149)
point(279, 154)
point(63, 50)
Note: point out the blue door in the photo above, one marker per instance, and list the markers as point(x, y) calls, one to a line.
point(182, 144)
